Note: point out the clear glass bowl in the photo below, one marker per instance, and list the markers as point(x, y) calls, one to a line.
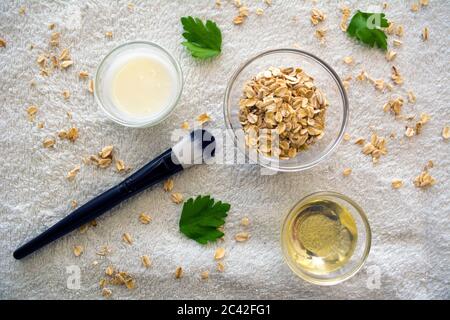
point(103, 78)
point(360, 253)
point(325, 78)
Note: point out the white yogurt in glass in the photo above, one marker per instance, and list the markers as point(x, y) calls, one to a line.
point(138, 84)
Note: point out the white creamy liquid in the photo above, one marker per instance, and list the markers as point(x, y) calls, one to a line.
point(142, 84)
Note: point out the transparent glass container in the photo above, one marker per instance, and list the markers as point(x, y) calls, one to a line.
point(104, 75)
point(360, 252)
point(325, 78)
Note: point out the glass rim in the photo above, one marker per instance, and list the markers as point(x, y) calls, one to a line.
point(367, 245)
point(146, 122)
point(334, 76)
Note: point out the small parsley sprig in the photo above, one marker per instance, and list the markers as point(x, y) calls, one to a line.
point(367, 28)
point(202, 40)
point(201, 217)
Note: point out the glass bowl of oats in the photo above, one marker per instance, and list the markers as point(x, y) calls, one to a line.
point(285, 109)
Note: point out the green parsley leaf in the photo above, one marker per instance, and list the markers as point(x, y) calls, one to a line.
point(201, 217)
point(203, 41)
point(366, 27)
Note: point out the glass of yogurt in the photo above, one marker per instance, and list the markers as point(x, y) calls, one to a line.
point(138, 84)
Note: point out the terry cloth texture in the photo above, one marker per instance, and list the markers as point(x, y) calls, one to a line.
point(410, 254)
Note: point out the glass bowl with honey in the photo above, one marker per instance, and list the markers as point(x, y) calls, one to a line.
point(326, 238)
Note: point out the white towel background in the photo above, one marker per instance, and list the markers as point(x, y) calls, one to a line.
point(411, 226)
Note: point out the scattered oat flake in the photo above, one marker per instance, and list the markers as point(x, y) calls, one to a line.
point(146, 262)
point(32, 110)
point(259, 12)
point(40, 125)
point(176, 197)
point(103, 251)
point(66, 94)
point(51, 26)
point(317, 16)
point(320, 34)
point(397, 42)
point(409, 132)
point(411, 97)
point(362, 76)
point(91, 86)
point(73, 204)
point(395, 74)
point(22, 10)
point(185, 125)
point(123, 278)
point(55, 38)
point(103, 282)
point(424, 117)
point(83, 74)
point(219, 254)
point(424, 180)
point(238, 20)
point(423, 3)
point(245, 221)
point(220, 266)
point(67, 63)
point(268, 2)
point(78, 250)
point(204, 275)
point(72, 134)
point(446, 133)
point(145, 218)
point(394, 105)
point(237, 3)
point(109, 34)
point(48, 142)
point(415, 7)
point(109, 271)
point(243, 11)
point(106, 152)
point(425, 34)
point(390, 55)
point(391, 28)
point(2, 43)
point(242, 236)
point(72, 173)
point(379, 84)
point(399, 31)
point(104, 163)
point(345, 15)
point(347, 137)
point(120, 165)
point(178, 272)
point(348, 60)
point(397, 183)
point(127, 238)
point(168, 185)
point(347, 172)
point(360, 141)
point(106, 292)
point(64, 55)
point(376, 147)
